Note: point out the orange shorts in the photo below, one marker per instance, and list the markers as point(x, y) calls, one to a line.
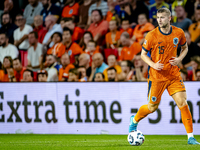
point(156, 89)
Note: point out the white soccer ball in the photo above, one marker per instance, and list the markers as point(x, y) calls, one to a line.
point(136, 138)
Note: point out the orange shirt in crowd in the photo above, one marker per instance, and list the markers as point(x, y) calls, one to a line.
point(92, 54)
point(109, 16)
point(109, 38)
point(69, 11)
point(128, 53)
point(64, 73)
point(140, 29)
point(52, 50)
point(72, 50)
point(129, 30)
point(117, 67)
point(19, 76)
point(101, 28)
point(194, 30)
point(77, 34)
point(3, 76)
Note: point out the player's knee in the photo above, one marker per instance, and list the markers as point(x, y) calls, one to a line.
point(182, 103)
point(153, 107)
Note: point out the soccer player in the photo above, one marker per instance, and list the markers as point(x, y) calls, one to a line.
point(162, 42)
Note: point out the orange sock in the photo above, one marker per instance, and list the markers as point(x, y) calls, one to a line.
point(186, 118)
point(142, 112)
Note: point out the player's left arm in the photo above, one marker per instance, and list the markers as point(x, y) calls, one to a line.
point(176, 60)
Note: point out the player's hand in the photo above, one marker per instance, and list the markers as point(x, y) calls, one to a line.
point(158, 66)
point(174, 61)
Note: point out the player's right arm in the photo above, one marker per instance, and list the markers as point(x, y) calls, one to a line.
point(157, 66)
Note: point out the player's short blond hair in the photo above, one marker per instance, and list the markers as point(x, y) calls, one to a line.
point(166, 10)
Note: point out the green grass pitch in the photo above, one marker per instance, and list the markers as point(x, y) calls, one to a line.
point(93, 142)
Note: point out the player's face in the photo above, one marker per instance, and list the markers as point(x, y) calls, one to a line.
point(163, 20)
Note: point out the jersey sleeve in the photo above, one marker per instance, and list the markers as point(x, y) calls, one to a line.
point(147, 42)
point(182, 39)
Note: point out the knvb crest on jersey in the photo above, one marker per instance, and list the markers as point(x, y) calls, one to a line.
point(175, 41)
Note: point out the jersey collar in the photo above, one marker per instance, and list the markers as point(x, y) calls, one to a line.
point(165, 33)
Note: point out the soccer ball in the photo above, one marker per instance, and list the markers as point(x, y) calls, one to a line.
point(135, 138)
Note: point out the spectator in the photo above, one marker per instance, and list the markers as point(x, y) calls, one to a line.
point(68, 46)
point(98, 65)
point(18, 69)
point(73, 75)
point(11, 7)
point(28, 76)
point(99, 77)
point(38, 23)
point(7, 74)
point(181, 21)
point(126, 27)
point(66, 66)
point(112, 74)
point(82, 74)
point(141, 68)
point(52, 68)
point(111, 14)
point(197, 75)
point(112, 63)
point(83, 13)
point(50, 9)
point(195, 66)
point(130, 49)
point(77, 31)
point(87, 36)
point(7, 49)
point(100, 5)
point(139, 7)
point(84, 60)
point(42, 76)
point(21, 37)
point(193, 51)
point(194, 28)
point(52, 27)
point(141, 28)
point(99, 27)
point(153, 10)
point(56, 38)
point(176, 3)
point(113, 36)
point(71, 9)
point(32, 9)
point(92, 49)
point(34, 52)
point(8, 26)
point(126, 66)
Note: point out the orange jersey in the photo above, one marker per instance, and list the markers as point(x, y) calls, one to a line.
point(70, 11)
point(109, 38)
point(129, 30)
point(3, 76)
point(109, 16)
point(77, 34)
point(19, 76)
point(92, 54)
point(72, 50)
point(64, 73)
point(140, 29)
point(163, 47)
point(128, 53)
point(52, 50)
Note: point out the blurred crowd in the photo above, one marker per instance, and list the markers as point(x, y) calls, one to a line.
point(88, 40)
